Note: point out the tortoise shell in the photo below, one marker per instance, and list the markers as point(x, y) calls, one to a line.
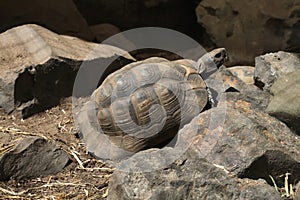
point(142, 105)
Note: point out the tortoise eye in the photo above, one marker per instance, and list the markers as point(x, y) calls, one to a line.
point(218, 55)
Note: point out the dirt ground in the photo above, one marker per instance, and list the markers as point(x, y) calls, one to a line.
point(84, 178)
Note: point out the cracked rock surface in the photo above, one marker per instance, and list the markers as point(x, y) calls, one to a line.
point(39, 68)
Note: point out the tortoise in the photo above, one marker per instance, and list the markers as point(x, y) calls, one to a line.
point(143, 104)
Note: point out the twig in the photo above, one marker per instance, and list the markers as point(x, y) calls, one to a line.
point(62, 110)
point(12, 192)
point(39, 187)
point(7, 148)
point(86, 192)
point(221, 167)
point(16, 131)
point(15, 197)
point(274, 183)
point(81, 165)
point(61, 128)
point(77, 159)
point(105, 194)
point(49, 180)
point(286, 184)
point(291, 190)
point(102, 169)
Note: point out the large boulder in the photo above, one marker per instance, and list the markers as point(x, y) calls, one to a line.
point(285, 104)
point(232, 148)
point(59, 16)
point(250, 28)
point(247, 142)
point(188, 178)
point(38, 67)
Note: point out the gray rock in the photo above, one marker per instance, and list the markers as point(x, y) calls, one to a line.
point(40, 67)
point(188, 178)
point(285, 104)
point(247, 142)
point(272, 66)
point(257, 189)
point(224, 85)
point(235, 25)
point(60, 16)
point(229, 147)
point(32, 157)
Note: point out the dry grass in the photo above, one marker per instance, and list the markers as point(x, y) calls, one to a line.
point(288, 190)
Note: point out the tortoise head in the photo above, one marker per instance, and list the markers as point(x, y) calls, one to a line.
point(212, 60)
point(219, 56)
